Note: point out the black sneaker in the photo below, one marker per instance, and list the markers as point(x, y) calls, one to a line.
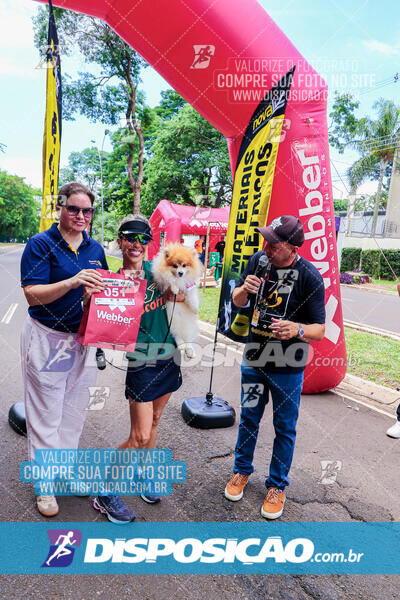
point(150, 498)
point(115, 509)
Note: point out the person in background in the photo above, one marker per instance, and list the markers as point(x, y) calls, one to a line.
point(153, 369)
point(200, 246)
point(57, 370)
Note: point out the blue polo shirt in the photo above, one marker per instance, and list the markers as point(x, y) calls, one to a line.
point(48, 258)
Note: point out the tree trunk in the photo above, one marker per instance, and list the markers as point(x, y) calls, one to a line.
point(134, 126)
point(378, 197)
point(139, 180)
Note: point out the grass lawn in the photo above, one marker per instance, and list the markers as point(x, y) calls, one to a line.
point(373, 357)
point(369, 356)
point(114, 263)
point(209, 304)
point(389, 285)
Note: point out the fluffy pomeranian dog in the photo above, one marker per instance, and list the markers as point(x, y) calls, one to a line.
point(177, 269)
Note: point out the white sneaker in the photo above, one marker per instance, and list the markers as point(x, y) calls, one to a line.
point(394, 430)
point(47, 506)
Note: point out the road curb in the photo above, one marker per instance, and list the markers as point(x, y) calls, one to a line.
point(374, 330)
point(362, 287)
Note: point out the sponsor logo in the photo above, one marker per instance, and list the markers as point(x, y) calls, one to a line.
point(62, 547)
point(191, 550)
point(105, 316)
point(315, 225)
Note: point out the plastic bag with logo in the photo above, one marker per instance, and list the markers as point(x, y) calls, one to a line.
point(112, 318)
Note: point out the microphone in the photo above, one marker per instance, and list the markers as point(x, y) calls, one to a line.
point(261, 265)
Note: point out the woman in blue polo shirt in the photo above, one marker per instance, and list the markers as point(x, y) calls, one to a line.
point(57, 370)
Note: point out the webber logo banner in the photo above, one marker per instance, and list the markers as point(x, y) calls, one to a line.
point(251, 198)
point(52, 127)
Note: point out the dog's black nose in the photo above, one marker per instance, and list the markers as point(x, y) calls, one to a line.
point(180, 273)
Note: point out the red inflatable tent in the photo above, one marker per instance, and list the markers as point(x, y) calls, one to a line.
point(175, 220)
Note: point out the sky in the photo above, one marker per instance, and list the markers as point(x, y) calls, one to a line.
point(354, 44)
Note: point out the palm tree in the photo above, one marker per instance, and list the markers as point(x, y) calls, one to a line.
point(377, 144)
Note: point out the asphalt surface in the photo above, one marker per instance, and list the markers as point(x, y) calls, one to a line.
point(371, 308)
point(330, 428)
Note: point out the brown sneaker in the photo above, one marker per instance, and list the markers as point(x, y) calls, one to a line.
point(234, 488)
point(47, 506)
point(273, 503)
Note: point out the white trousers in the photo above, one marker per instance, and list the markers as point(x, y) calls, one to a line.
point(57, 372)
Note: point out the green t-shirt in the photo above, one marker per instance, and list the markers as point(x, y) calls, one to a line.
point(154, 339)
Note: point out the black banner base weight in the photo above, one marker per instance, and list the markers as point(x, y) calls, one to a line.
point(16, 418)
point(203, 413)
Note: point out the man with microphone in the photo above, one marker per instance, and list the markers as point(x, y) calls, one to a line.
point(286, 297)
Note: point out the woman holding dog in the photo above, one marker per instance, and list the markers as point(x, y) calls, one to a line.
point(153, 370)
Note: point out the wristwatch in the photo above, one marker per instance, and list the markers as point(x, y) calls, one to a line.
point(301, 330)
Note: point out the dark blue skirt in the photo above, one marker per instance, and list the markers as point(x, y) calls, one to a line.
point(147, 381)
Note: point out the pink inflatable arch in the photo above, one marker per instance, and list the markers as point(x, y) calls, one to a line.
point(221, 56)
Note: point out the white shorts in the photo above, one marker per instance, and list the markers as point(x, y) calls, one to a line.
point(57, 372)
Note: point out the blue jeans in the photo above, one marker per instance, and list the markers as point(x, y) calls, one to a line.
point(285, 391)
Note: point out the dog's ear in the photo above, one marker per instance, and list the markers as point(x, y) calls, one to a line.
point(166, 253)
point(194, 253)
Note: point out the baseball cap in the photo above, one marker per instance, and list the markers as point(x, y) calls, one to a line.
point(286, 228)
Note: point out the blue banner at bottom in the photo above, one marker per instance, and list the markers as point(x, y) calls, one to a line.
point(207, 548)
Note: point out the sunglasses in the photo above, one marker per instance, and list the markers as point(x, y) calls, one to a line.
point(75, 210)
point(142, 238)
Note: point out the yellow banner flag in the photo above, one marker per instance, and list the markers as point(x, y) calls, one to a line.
point(52, 127)
point(251, 198)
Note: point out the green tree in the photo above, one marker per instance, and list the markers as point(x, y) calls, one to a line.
point(377, 141)
point(340, 205)
point(111, 222)
point(19, 207)
point(170, 104)
point(84, 167)
point(189, 162)
point(108, 94)
point(344, 126)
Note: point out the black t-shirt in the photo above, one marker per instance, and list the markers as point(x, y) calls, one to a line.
point(294, 293)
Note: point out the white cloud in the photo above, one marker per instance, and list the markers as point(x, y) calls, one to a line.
point(382, 48)
point(18, 55)
point(24, 166)
point(16, 30)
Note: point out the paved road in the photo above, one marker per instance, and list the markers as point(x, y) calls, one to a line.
point(330, 428)
point(371, 308)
